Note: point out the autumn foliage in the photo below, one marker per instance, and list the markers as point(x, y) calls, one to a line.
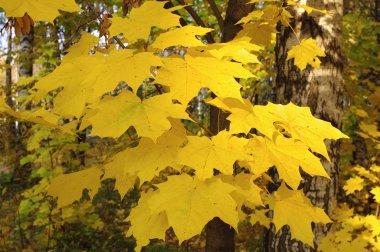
point(136, 82)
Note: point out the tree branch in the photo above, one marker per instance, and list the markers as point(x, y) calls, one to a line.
point(217, 13)
point(197, 20)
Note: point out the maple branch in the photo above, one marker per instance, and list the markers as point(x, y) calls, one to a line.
point(200, 124)
point(197, 20)
point(119, 42)
point(217, 13)
point(92, 9)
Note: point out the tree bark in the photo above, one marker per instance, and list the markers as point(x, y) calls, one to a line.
point(26, 55)
point(220, 236)
point(10, 127)
point(321, 90)
point(25, 69)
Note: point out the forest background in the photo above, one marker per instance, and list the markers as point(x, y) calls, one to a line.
point(335, 72)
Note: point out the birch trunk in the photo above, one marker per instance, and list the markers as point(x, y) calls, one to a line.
point(322, 91)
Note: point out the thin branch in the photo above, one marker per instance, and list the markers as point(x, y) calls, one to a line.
point(119, 42)
point(200, 124)
point(217, 14)
point(197, 20)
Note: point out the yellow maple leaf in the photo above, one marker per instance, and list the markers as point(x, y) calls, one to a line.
point(41, 10)
point(83, 47)
point(146, 160)
point(242, 118)
point(115, 114)
point(86, 78)
point(219, 152)
point(145, 223)
point(184, 36)
point(294, 121)
point(190, 204)
point(186, 77)
point(141, 20)
point(288, 155)
point(259, 216)
point(306, 52)
point(294, 209)
point(376, 194)
point(238, 50)
point(69, 187)
point(259, 33)
point(299, 123)
point(39, 116)
point(246, 192)
point(123, 181)
point(354, 184)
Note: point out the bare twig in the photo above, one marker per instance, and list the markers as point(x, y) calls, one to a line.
point(197, 20)
point(200, 124)
point(217, 13)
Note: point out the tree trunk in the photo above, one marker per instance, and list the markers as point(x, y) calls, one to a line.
point(10, 127)
point(220, 237)
point(26, 55)
point(25, 69)
point(321, 90)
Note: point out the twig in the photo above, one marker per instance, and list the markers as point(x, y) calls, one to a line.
point(119, 42)
point(217, 14)
point(197, 20)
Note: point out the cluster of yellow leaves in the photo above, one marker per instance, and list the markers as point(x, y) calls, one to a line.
point(352, 233)
point(88, 90)
point(364, 177)
point(41, 10)
point(260, 25)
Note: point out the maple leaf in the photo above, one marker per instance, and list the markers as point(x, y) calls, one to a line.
point(306, 53)
point(288, 155)
point(242, 118)
point(41, 10)
point(83, 47)
point(190, 204)
point(184, 36)
point(146, 160)
point(123, 181)
point(69, 187)
point(294, 209)
point(186, 77)
point(376, 193)
point(259, 33)
point(39, 116)
point(81, 79)
point(113, 115)
point(260, 217)
point(220, 152)
point(299, 123)
point(141, 20)
point(146, 224)
point(246, 192)
point(354, 184)
point(238, 50)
